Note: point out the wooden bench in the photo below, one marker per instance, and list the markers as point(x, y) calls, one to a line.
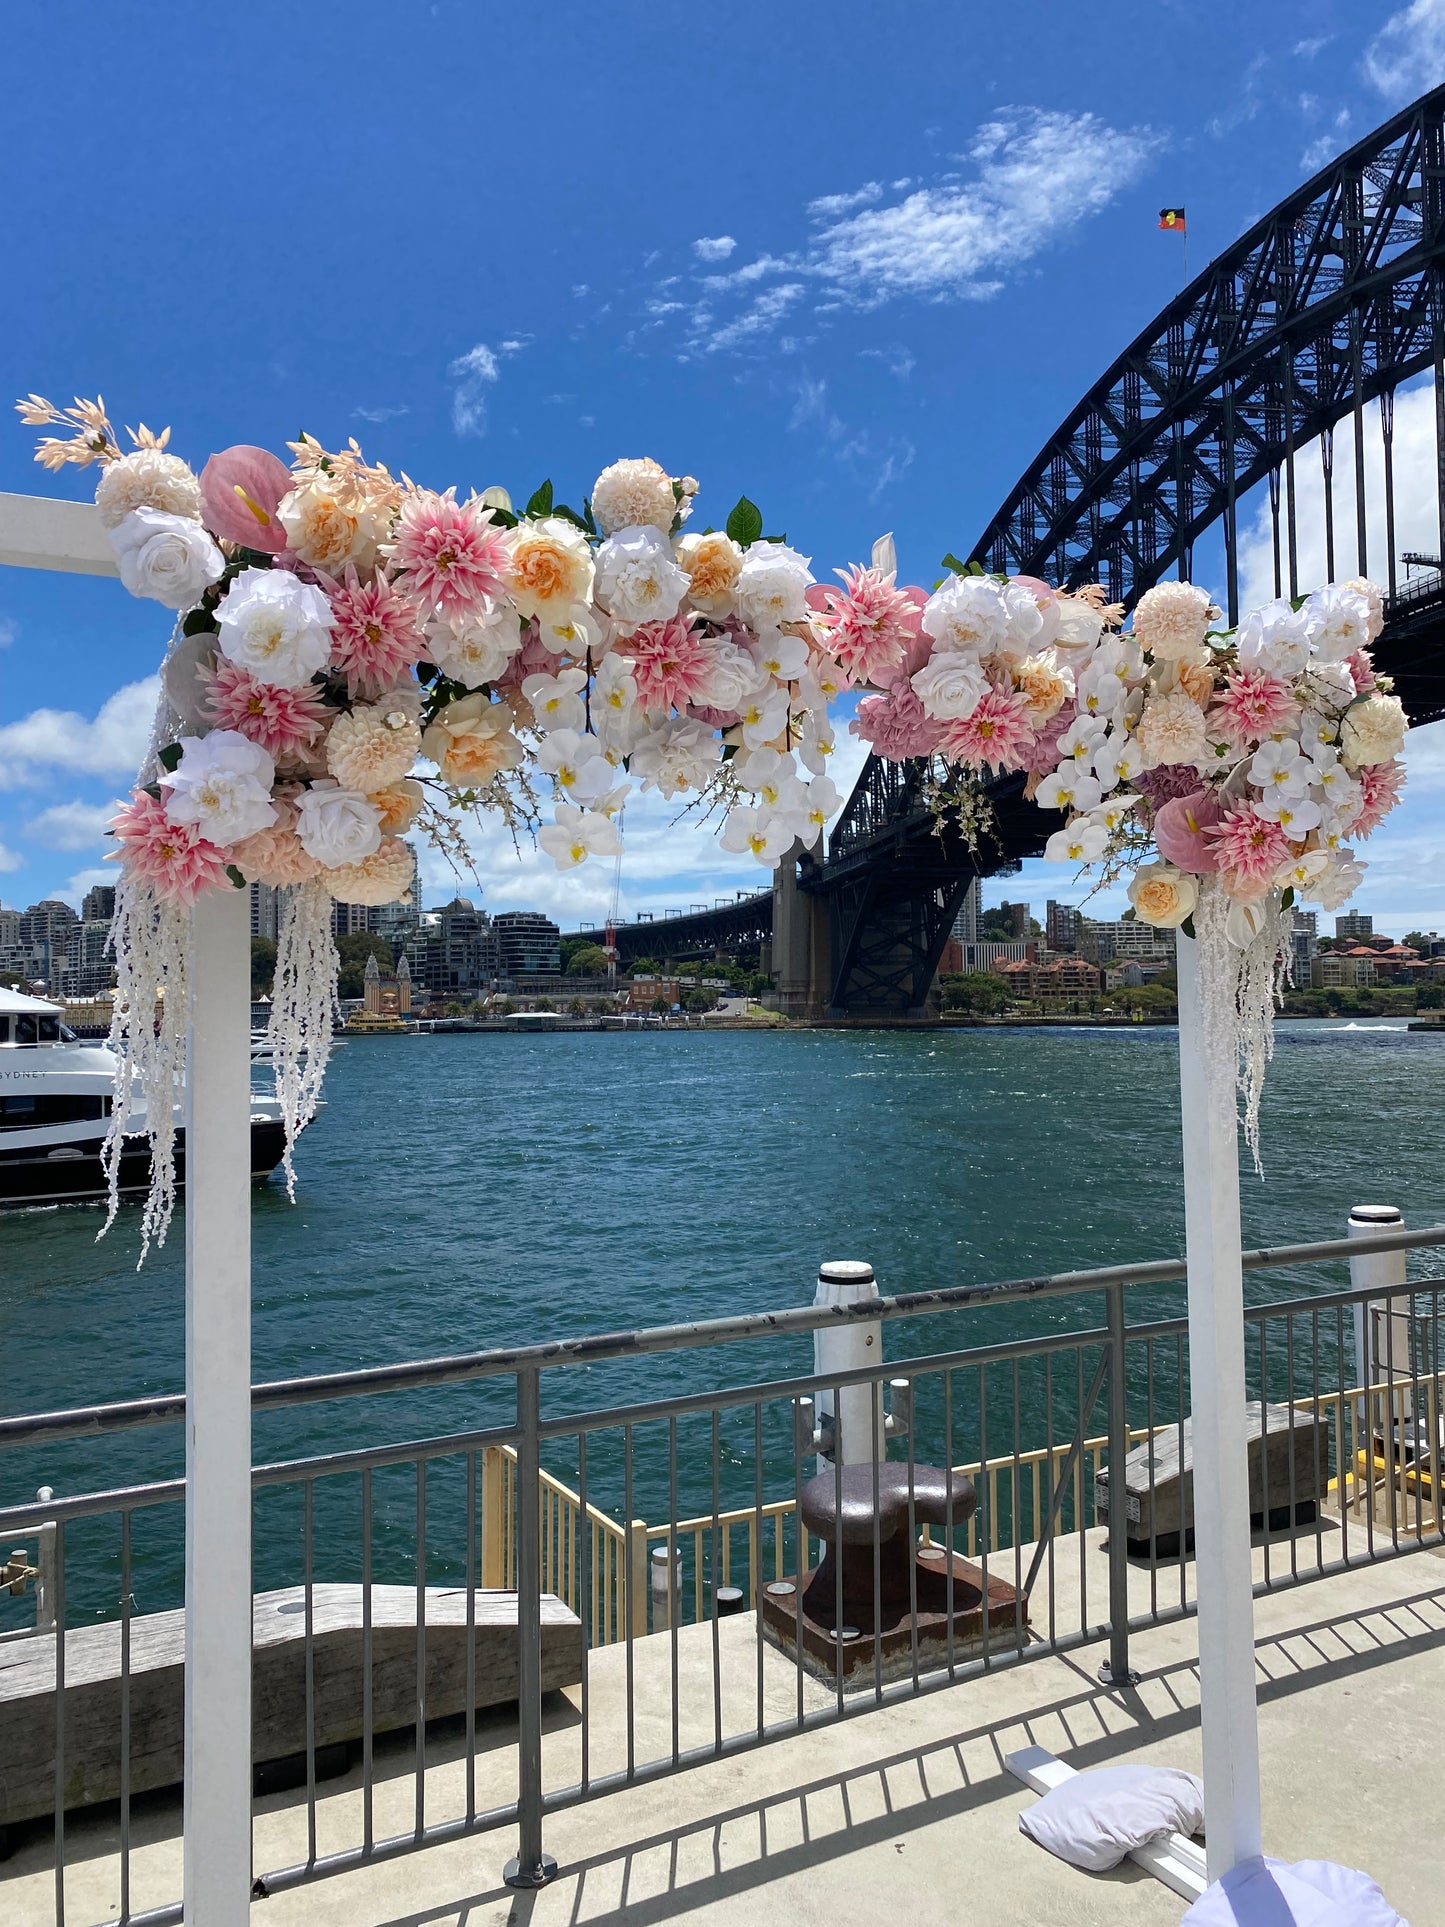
point(1159, 1486)
point(278, 1732)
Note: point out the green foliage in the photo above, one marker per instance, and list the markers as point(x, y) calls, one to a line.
point(1417, 940)
point(353, 952)
point(645, 967)
point(996, 925)
point(587, 960)
point(978, 991)
point(745, 523)
point(660, 1007)
point(541, 502)
point(263, 965)
point(698, 1000)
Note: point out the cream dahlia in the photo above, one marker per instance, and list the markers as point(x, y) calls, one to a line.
point(372, 747)
point(382, 877)
point(148, 479)
point(636, 494)
point(1172, 618)
point(1171, 729)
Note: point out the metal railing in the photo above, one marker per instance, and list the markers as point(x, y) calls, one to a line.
point(416, 1574)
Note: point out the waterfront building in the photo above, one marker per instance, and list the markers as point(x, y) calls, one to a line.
point(9, 929)
point(530, 944)
point(1355, 925)
point(89, 967)
point(1019, 920)
point(1061, 925)
point(98, 904)
point(386, 996)
point(1343, 969)
point(453, 954)
point(986, 954)
point(264, 908)
point(1070, 978)
point(965, 924)
point(1128, 937)
point(398, 922)
point(350, 919)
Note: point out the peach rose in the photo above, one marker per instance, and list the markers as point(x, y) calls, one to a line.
point(550, 566)
point(1162, 895)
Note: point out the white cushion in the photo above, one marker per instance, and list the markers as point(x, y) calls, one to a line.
point(1311, 1893)
point(1095, 1819)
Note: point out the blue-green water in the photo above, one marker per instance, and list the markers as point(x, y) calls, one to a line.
point(474, 1190)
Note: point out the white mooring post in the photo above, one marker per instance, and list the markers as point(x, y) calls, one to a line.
point(218, 1417)
point(1222, 1566)
point(853, 1412)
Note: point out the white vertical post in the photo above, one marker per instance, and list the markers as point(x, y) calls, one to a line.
point(1222, 1569)
point(855, 1411)
point(218, 1417)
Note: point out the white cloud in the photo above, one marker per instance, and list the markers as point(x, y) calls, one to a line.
point(474, 372)
point(1318, 152)
point(958, 240)
point(1407, 55)
point(9, 630)
point(767, 309)
point(380, 414)
point(716, 247)
point(1307, 49)
point(72, 826)
point(111, 744)
point(898, 360)
point(9, 860)
point(828, 207)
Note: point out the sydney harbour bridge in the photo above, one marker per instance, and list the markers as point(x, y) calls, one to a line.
point(1322, 310)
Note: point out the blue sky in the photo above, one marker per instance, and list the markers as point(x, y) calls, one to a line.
point(855, 261)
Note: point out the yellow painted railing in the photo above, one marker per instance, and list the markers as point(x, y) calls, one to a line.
point(1014, 1493)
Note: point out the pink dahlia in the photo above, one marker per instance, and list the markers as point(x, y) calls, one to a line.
point(1362, 671)
point(998, 733)
point(173, 858)
point(1181, 830)
point(283, 721)
point(1380, 784)
point(897, 725)
point(1252, 706)
point(872, 625)
point(374, 636)
point(454, 554)
point(670, 663)
point(1248, 848)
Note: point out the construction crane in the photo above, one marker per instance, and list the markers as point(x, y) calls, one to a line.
point(609, 934)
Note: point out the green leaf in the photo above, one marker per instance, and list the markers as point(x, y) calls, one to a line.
point(198, 622)
point(1187, 926)
point(541, 502)
point(952, 563)
point(504, 516)
point(587, 514)
point(169, 758)
point(745, 524)
point(564, 514)
point(152, 790)
point(1287, 899)
point(235, 875)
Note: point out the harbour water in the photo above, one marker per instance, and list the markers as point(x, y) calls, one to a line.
point(474, 1190)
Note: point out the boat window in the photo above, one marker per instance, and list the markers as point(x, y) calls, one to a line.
point(49, 1030)
point(33, 1109)
point(26, 1030)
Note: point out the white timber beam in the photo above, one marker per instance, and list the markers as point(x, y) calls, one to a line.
point(39, 533)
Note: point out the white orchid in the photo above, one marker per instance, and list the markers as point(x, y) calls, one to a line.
point(816, 742)
point(760, 833)
point(557, 700)
point(764, 716)
point(577, 763)
point(1068, 788)
point(570, 632)
point(1302, 871)
point(1119, 759)
point(781, 655)
point(1082, 841)
point(765, 772)
point(1083, 738)
point(1114, 809)
point(677, 755)
point(824, 800)
point(578, 834)
point(1278, 768)
point(1295, 814)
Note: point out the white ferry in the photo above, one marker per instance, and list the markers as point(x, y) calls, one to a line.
point(55, 1092)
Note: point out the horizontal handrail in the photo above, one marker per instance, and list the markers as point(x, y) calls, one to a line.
point(466, 1367)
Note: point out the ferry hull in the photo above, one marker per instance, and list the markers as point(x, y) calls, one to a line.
point(38, 1176)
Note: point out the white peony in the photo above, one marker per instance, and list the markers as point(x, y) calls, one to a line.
point(636, 494)
point(1335, 886)
point(637, 579)
point(475, 649)
point(772, 586)
point(166, 558)
point(148, 479)
point(276, 627)
point(1339, 621)
point(950, 685)
point(967, 614)
point(1374, 597)
point(1373, 732)
point(221, 786)
point(1171, 619)
point(1274, 638)
point(337, 826)
point(733, 674)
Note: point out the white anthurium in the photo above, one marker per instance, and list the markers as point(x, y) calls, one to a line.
point(1114, 809)
point(816, 742)
point(1079, 630)
point(1278, 768)
point(1082, 841)
point(764, 716)
point(764, 772)
point(1068, 788)
point(570, 632)
point(1082, 739)
point(757, 833)
point(1295, 815)
point(1245, 921)
point(578, 834)
point(1302, 872)
point(577, 763)
point(222, 785)
point(781, 655)
point(557, 700)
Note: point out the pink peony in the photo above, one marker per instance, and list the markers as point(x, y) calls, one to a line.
point(1249, 849)
point(240, 489)
point(534, 658)
point(998, 733)
point(670, 663)
point(1380, 785)
point(1179, 832)
point(173, 858)
point(1253, 705)
point(897, 725)
point(1046, 755)
point(873, 626)
point(283, 721)
point(374, 636)
point(454, 555)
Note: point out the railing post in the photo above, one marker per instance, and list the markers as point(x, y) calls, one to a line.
point(45, 1571)
point(1116, 1670)
point(494, 1517)
point(531, 1867)
point(1382, 1271)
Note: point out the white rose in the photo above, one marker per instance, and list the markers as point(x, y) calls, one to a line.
point(968, 613)
point(222, 785)
point(731, 677)
point(637, 579)
point(475, 649)
point(950, 685)
point(1373, 732)
point(772, 585)
point(276, 627)
point(337, 826)
point(167, 558)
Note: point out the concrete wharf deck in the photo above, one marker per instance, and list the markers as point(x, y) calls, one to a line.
point(908, 1805)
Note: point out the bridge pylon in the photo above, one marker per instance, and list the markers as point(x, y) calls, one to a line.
point(801, 953)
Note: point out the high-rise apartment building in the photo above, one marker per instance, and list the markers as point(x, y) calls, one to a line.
point(454, 952)
point(530, 944)
point(98, 905)
point(1061, 925)
point(1355, 925)
point(965, 924)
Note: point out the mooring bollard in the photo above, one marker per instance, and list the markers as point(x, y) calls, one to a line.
point(666, 1604)
point(850, 1417)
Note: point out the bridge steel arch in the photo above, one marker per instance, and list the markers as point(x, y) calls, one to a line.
point(1328, 304)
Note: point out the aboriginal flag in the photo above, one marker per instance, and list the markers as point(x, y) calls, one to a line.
point(1172, 218)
